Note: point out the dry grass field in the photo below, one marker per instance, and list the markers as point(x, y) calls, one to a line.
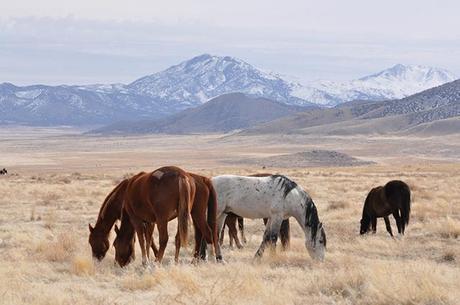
point(58, 181)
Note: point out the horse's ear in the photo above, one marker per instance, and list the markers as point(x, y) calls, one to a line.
point(91, 229)
point(117, 230)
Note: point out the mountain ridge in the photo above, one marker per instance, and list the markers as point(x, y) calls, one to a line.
point(190, 84)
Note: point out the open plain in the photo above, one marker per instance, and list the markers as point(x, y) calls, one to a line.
point(58, 179)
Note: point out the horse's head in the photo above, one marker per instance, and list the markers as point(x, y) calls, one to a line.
point(99, 243)
point(317, 245)
point(365, 225)
point(124, 248)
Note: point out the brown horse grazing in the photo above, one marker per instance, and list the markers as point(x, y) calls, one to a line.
point(157, 197)
point(109, 212)
point(204, 203)
point(393, 198)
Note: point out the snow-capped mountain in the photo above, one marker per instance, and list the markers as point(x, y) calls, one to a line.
point(201, 78)
point(396, 82)
point(74, 105)
point(194, 82)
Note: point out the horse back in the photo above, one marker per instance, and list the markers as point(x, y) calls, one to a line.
point(395, 190)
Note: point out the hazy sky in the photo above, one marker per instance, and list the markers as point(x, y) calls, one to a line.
point(106, 41)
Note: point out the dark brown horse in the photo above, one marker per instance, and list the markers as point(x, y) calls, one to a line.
point(3, 171)
point(204, 203)
point(393, 198)
point(109, 213)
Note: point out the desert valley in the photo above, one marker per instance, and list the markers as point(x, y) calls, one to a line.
point(58, 178)
point(94, 92)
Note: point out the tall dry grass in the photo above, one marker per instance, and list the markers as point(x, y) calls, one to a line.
point(45, 257)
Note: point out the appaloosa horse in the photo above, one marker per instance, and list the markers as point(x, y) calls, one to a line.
point(393, 198)
point(231, 219)
point(274, 197)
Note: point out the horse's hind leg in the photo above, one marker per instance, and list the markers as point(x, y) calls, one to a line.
point(388, 225)
point(148, 227)
point(163, 233)
point(177, 242)
point(220, 223)
point(398, 221)
point(374, 225)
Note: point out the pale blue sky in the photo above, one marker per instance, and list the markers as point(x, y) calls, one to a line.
point(106, 41)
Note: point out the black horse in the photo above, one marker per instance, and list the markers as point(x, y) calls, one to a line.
point(3, 171)
point(393, 198)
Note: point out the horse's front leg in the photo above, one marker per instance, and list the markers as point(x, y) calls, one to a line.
point(270, 235)
point(140, 230)
point(221, 238)
point(241, 228)
point(233, 235)
point(153, 245)
point(388, 225)
point(220, 224)
point(374, 224)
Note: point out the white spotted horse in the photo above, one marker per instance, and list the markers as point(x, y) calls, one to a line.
point(274, 197)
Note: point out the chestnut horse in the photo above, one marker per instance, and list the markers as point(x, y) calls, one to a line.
point(204, 203)
point(393, 198)
point(158, 197)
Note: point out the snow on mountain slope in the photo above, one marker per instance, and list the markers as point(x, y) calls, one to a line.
point(194, 82)
point(201, 78)
point(396, 82)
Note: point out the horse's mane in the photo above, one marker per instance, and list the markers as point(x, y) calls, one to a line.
point(311, 213)
point(108, 199)
point(286, 184)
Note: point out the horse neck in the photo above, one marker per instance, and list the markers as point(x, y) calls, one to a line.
point(109, 213)
point(310, 219)
point(297, 207)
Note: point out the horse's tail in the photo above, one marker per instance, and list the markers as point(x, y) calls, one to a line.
point(183, 214)
point(405, 204)
point(285, 234)
point(212, 212)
